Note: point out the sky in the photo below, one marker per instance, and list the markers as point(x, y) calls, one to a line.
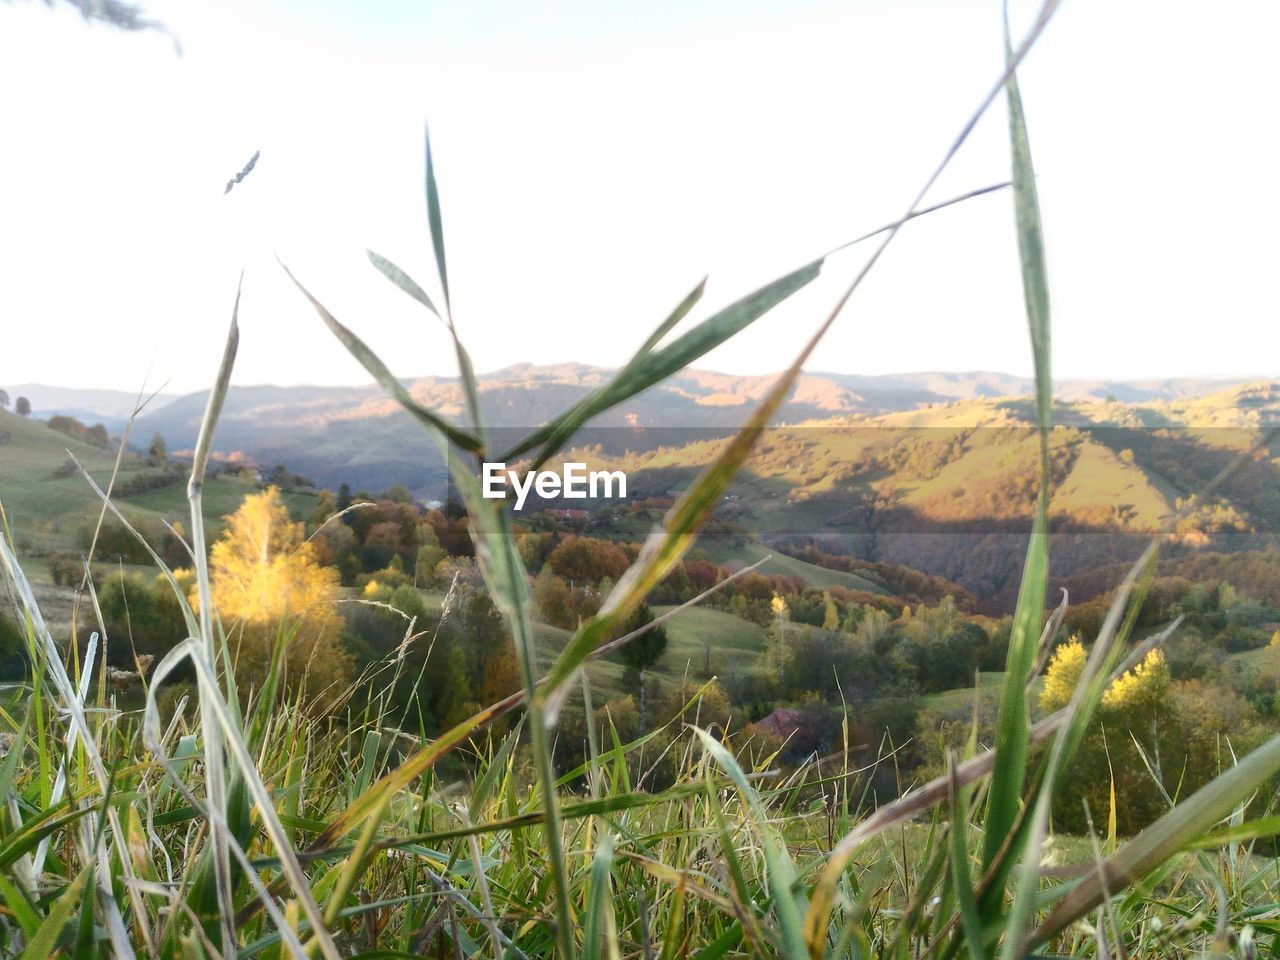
point(596, 160)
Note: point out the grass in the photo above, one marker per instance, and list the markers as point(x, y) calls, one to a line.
point(733, 641)
point(990, 683)
point(243, 824)
point(48, 506)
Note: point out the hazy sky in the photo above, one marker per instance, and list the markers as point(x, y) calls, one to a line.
point(596, 159)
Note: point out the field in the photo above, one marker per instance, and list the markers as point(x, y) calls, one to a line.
point(468, 795)
point(49, 504)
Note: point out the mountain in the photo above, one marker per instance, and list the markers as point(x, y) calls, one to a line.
point(950, 489)
point(922, 470)
point(111, 408)
point(359, 436)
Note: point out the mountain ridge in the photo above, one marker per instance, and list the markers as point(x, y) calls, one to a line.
point(359, 435)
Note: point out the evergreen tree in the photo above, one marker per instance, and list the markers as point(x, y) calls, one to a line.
point(158, 452)
point(644, 651)
point(455, 702)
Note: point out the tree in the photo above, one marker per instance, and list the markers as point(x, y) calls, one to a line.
point(22, 407)
point(158, 452)
point(588, 559)
point(141, 616)
point(553, 599)
point(429, 555)
point(455, 703)
point(831, 616)
point(781, 613)
point(644, 651)
point(1064, 672)
point(486, 635)
point(4, 400)
point(398, 493)
point(1144, 688)
point(265, 577)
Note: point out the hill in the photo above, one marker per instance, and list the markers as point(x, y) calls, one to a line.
point(358, 436)
point(950, 489)
point(931, 471)
point(49, 505)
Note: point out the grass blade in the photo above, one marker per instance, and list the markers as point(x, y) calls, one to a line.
point(378, 370)
point(43, 945)
point(1004, 801)
point(654, 366)
point(435, 222)
point(1167, 837)
point(594, 929)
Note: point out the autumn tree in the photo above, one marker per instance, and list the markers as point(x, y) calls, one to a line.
point(1135, 731)
point(552, 597)
point(587, 559)
point(266, 582)
point(22, 406)
point(1064, 672)
point(830, 616)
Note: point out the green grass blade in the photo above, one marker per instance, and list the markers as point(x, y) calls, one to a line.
point(1166, 838)
point(788, 902)
point(403, 281)
point(216, 787)
point(466, 371)
point(43, 945)
point(598, 906)
point(970, 923)
point(17, 746)
point(17, 904)
point(435, 222)
point(654, 366)
point(679, 313)
point(1004, 801)
point(1009, 774)
point(707, 335)
point(378, 370)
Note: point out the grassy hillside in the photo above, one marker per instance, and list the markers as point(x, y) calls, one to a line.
point(811, 574)
point(48, 503)
point(733, 642)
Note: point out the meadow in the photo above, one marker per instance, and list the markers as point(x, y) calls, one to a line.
point(235, 817)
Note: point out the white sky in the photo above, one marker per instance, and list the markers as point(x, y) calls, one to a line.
point(596, 159)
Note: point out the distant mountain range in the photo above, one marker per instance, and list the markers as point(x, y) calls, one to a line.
point(359, 436)
point(935, 471)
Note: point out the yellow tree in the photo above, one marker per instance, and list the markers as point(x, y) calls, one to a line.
point(1143, 689)
point(1065, 670)
point(265, 579)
